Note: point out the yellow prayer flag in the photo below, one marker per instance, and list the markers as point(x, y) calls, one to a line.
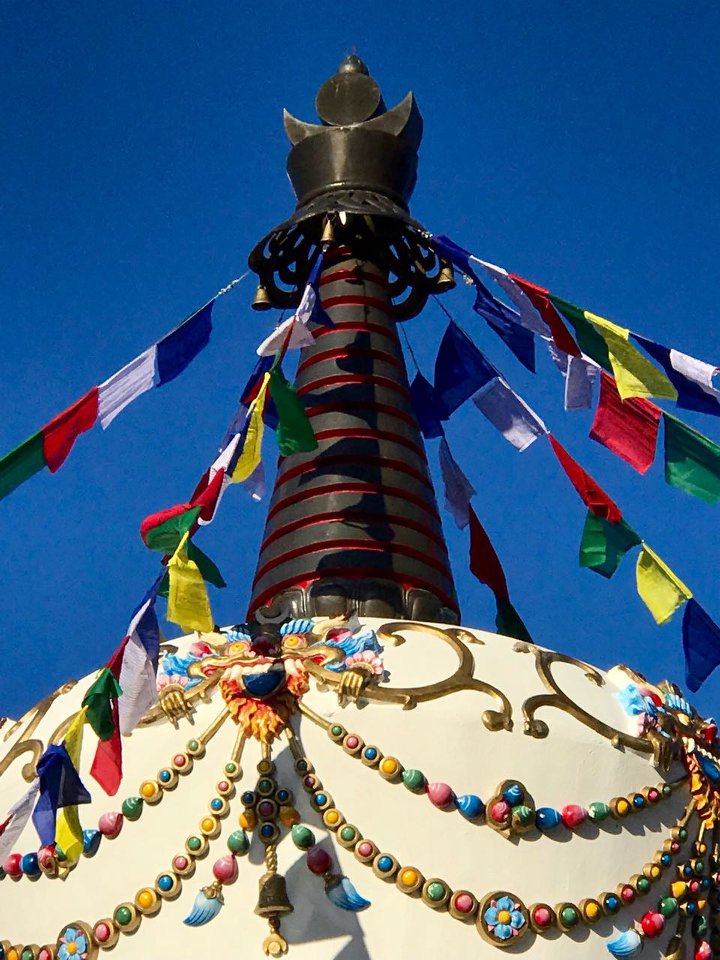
point(252, 448)
point(659, 588)
point(636, 376)
point(68, 830)
point(188, 603)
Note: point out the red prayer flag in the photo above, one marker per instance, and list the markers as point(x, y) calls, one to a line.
point(484, 561)
point(63, 430)
point(207, 495)
point(107, 766)
point(627, 427)
point(592, 495)
point(539, 297)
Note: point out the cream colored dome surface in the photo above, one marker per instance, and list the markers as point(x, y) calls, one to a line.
point(452, 714)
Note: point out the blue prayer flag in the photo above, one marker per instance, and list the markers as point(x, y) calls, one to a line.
point(691, 395)
point(425, 405)
point(701, 644)
point(60, 786)
point(519, 339)
point(179, 348)
point(460, 370)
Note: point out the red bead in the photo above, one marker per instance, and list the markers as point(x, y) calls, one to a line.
point(703, 950)
point(102, 932)
point(674, 847)
point(653, 795)
point(652, 924)
point(180, 863)
point(500, 811)
point(627, 894)
point(463, 903)
point(46, 856)
point(573, 815)
point(441, 795)
point(179, 760)
point(694, 886)
point(44, 954)
point(542, 917)
point(12, 865)
point(318, 860)
point(110, 824)
point(226, 869)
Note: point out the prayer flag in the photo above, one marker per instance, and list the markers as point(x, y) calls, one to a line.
point(520, 425)
point(139, 667)
point(509, 622)
point(252, 444)
point(21, 463)
point(425, 405)
point(188, 604)
point(541, 300)
point(99, 699)
point(692, 378)
point(60, 786)
point(520, 340)
point(604, 544)
point(255, 483)
point(588, 338)
point(484, 561)
point(310, 308)
point(106, 767)
point(291, 334)
point(207, 568)
point(164, 530)
point(17, 818)
point(458, 489)
point(62, 431)
point(629, 428)
point(659, 588)
point(591, 493)
point(179, 348)
point(701, 644)
point(460, 370)
point(207, 495)
point(529, 316)
point(634, 375)
point(68, 832)
point(125, 386)
point(294, 432)
point(692, 461)
point(580, 374)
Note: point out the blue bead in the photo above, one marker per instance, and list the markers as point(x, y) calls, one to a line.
point(248, 797)
point(29, 865)
point(612, 904)
point(690, 907)
point(687, 871)
point(705, 884)
point(470, 806)
point(665, 859)
point(384, 864)
point(283, 795)
point(319, 799)
point(216, 803)
point(547, 818)
point(514, 794)
point(267, 830)
point(370, 753)
point(639, 802)
point(91, 842)
point(165, 882)
point(165, 776)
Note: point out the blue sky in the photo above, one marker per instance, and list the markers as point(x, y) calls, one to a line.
point(143, 155)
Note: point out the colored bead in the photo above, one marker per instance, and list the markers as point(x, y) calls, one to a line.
point(409, 877)
point(699, 926)
point(573, 815)
point(441, 795)
point(46, 858)
point(332, 817)
point(703, 951)
point(627, 894)
point(266, 808)
point(44, 954)
point(110, 824)
point(302, 837)
point(470, 806)
point(463, 902)
point(389, 766)
point(226, 869)
point(132, 808)
point(123, 916)
point(145, 899)
point(231, 769)
point(569, 916)
point(29, 865)
point(91, 842)
point(248, 820)
point(385, 864)
point(193, 745)
point(165, 882)
point(352, 742)
point(180, 863)
point(165, 776)
point(268, 831)
point(289, 816)
point(435, 891)
point(216, 804)
point(622, 807)
point(265, 786)
point(677, 889)
point(208, 824)
point(318, 860)
point(248, 798)
point(194, 843)
point(282, 796)
point(238, 842)
point(11, 865)
point(598, 811)
point(336, 730)
point(522, 817)
point(546, 818)
point(310, 782)
point(611, 903)
point(653, 795)
point(500, 811)
point(542, 917)
point(643, 884)
point(148, 789)
point(653, 924)
point(320, 799)
point(414, 780)
point(591, 911)
point(348, 834)
point(180, 760)
point(365, 848)
point(27, 954)
point(514, 794)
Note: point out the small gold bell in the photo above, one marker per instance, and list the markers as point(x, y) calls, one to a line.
point(446, 279)
point(273, 899)
point(262, 300)
point(328, 235)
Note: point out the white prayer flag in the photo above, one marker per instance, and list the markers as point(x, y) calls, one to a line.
point(125, 386)
point(520, 425)
point(299, 334)
point(529, 317)
point(137, 680)
point(697, 371)
point(20, 813)
point(458, 489)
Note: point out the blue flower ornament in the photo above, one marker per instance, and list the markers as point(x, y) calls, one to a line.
point(73, 944)
point(504, 919)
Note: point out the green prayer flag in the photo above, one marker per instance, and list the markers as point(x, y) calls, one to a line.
point(294, 433)
point(205, 565)
point(98, 701)
point(21, 463)
point(588, 339)
point(604, 544)
point(692, 461)
point(167, 535)
point(509, 622)
point(164, 588)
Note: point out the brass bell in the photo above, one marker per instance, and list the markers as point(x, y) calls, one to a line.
point(446, 279)
point(328, 235)
point(273, 899)
point(262, 300)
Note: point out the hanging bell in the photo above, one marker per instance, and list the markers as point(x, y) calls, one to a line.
point(273, 899)
point(446, 279)
point(262, 300)
point(328, 235)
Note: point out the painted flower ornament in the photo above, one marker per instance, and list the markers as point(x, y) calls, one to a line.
point(73, 944)
point(504, 919)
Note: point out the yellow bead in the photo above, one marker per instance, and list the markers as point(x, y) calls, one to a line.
point(207, 824)
point(389, 766)
point(654, 871)
point(13, 954)
point(408, 878)
point(148, 789)
point(289, 816)
point(145, 899)
point(678, 888)
point(623, 807)
point(248, 820)
point(591, 911)
point(332, 816)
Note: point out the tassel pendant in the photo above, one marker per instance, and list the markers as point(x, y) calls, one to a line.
point(208, 904)
point(341, 892)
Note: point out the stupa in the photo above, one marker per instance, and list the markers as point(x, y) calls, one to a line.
point(349, 772)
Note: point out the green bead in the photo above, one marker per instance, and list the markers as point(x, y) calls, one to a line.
point(643, 884)
point(598, 811)
point(522, 816)
point(265, 785)
point(123, 916)
point(347, 834)
point(336, 730)
point(668, 906)
point(27, 954)
point(569, 916)
point(699, 926)
point(682, 834)
point(414, 780)
point(132, 808)
point(60, 854)
point(302, 837)
point(194, 843)
point(698, 868)
point(192, 745)
point(666, 790)
point(435, 891)
point(231, 768)
point(238, 842)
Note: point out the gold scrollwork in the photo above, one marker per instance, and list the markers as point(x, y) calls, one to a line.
point(28, 723)
point(408, 697)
